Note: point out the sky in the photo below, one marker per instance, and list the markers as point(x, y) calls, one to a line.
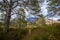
point(44, 6)
point(44, 11)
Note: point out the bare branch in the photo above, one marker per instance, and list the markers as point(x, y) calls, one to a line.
point(17, 13)
point(15, 1)
point(5, 1)
point(14, 6)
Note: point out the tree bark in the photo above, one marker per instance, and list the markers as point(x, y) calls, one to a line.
point(7, 18)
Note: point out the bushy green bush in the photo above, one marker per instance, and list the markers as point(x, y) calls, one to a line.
point(40, 33)
point(51, 32)
point(13, 34)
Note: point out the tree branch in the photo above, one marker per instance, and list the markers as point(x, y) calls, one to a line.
point(16, 1)
point(18, 14)
point(14, 6)
point(5, 1)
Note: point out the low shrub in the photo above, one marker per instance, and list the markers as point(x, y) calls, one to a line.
point(13, 34)
point(51, 32)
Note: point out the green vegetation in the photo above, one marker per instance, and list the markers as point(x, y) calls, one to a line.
point(51, 32)
point(12, 34)
point(19, 28)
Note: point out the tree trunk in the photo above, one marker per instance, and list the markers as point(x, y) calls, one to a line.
point(7, 18)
